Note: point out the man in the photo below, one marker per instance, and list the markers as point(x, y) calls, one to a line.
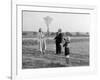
point(58, 41)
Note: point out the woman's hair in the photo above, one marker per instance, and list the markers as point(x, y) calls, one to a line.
point(40, 30)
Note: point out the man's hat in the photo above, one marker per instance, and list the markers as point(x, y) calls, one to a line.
point(59, 30)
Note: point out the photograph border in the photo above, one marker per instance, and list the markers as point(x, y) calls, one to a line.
point(16, 72)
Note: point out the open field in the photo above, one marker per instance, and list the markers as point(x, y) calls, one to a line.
point(32, 58)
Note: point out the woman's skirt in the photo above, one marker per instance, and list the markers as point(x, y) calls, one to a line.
point(42, 45)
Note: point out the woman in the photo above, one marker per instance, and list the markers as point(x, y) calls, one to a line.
point(42, 42)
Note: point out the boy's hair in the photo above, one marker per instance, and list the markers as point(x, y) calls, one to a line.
point(67, 38)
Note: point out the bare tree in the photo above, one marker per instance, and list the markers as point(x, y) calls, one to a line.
point(48, 21)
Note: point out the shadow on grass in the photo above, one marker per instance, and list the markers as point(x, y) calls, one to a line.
point(41, 64)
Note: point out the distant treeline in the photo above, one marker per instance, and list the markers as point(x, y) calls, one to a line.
point(51, 34)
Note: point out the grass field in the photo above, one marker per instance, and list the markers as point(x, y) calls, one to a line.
point(32, 58)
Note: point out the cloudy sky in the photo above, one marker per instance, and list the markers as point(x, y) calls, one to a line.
point(32, 21)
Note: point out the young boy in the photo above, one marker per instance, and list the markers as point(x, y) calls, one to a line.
point(67, 51)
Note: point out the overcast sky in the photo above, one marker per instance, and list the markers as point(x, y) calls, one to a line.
point(32, 21)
